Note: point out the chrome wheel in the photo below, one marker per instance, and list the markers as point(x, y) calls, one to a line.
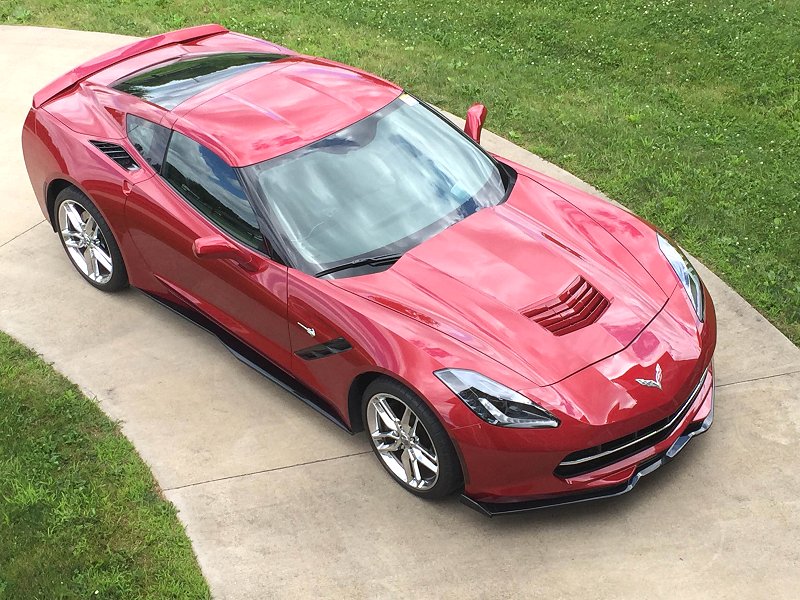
point(85, 242)
point(402, 441)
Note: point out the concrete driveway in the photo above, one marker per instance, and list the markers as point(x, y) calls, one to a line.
point(279, 502)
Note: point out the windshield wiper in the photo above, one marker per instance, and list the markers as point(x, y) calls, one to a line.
point(372, 261)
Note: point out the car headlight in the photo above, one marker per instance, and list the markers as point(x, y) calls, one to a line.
point(687, 275)
point(494, 402)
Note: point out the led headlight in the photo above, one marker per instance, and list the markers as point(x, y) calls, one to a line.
point(687, 275)
point(493, 402)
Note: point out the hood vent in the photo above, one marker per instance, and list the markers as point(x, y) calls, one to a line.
point(116, 153)
point(574, 308)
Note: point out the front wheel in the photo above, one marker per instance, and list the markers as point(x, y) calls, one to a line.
point(409, 440)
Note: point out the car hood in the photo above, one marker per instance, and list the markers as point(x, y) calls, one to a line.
point(477, 280)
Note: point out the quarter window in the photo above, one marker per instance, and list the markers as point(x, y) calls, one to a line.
point(212, 187)
point(149, 139)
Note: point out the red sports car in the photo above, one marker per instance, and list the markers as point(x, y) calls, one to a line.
point(495, 331)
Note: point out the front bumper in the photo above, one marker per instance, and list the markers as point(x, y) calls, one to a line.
point(491, 509)
point(506, 468)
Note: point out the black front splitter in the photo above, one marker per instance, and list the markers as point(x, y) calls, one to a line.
point(491, 509)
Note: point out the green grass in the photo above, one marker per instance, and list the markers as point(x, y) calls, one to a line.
point(80, 514)
point(687, 112)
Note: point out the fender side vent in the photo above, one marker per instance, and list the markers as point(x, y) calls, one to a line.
point(576, 307)
point(116, 153)
point(326, 349)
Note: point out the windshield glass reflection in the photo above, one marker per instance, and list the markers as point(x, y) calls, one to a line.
point(380, 186)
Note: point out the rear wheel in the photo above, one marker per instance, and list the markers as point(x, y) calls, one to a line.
point(88, 241)
point(409, 440)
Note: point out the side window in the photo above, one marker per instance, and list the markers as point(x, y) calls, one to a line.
point(149, 139)
point(212, 187)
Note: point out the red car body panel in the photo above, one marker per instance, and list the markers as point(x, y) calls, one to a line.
point(455, 301)
point(249, 304)
point(541, 242)
point(293, 103)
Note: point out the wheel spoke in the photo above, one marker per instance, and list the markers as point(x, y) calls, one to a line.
point(386, 441)
point(430, 455)
point(71, 242)
point(73, 217)
point(427, 460)
point(90, 228)
point(405, 458)
point(405, 421)
point(415, 466)
point(103, 258)
point(386, 415)
point(91, 263)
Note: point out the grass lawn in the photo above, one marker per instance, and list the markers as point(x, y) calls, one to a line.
point(687, 112)
point(80, 514)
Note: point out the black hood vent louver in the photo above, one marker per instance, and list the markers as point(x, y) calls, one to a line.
point(116, 153)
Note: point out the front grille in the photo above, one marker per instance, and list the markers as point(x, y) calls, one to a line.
point(574, 308)
point(116, 153)
point(591, 459)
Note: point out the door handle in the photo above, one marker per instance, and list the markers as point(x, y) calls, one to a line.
point(127, 188)
point(217, 247)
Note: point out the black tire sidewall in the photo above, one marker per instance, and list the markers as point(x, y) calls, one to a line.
point(450, 476)
point(119, 277)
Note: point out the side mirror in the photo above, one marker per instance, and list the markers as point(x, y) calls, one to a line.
point(217, 247)
point(476, 117)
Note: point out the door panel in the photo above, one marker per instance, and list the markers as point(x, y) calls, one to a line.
point(251, 305)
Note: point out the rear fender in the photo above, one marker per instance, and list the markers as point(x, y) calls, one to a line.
point(54, 154)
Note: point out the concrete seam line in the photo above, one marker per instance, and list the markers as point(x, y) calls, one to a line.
point(758, 378)
point(23, 233)
point(310, 462)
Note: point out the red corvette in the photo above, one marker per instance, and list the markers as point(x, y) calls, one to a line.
point(495, 331)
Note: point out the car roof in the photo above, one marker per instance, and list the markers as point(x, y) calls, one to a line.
point(172, 82)
point(279, 107)
point(284, 103)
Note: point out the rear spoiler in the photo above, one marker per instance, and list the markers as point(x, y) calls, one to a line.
point(96, 65)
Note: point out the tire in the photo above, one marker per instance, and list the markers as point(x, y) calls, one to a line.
point(88, 241)
point(414, 442)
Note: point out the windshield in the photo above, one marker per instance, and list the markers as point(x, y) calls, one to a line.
point(380, 186)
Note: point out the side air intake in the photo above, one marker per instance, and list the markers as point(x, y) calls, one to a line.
point(574, 308)
point(116, 153)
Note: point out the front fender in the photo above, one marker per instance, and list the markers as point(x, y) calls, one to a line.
point(635, 234)
point(382, 341)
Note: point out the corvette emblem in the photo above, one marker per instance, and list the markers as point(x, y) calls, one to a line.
point(655, 383)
